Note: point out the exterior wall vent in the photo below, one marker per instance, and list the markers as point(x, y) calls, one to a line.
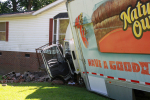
point(27, 55)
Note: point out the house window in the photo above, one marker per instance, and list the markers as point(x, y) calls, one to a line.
point(2, 31)
point(60, 24)
point(60, 27)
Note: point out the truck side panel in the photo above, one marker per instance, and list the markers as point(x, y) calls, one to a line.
point(114, 38)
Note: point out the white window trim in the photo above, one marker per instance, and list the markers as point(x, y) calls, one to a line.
point(57, 30)
point(53, 32)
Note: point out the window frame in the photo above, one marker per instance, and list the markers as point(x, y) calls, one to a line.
point(6, 31)
point(57, 29)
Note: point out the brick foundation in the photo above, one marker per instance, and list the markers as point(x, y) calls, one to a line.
point(18, 62)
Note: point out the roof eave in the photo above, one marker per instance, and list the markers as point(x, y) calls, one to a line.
point(16, 15)
point(33, 13)
point(48, 7)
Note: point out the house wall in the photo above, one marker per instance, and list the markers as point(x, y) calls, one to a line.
point(29, 32)
point(18, 62)
point(25, 35)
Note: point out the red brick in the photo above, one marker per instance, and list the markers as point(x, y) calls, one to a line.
point(16, 61)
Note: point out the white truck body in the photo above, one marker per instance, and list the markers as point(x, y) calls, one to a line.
point(69, 44)
point(112, 45)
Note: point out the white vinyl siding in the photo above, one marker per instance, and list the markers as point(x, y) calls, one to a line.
point(29, 32)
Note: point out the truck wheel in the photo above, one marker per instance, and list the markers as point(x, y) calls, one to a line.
point(80, 81)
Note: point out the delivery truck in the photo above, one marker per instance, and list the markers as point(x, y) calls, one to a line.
point(107, 47)
point(112, 46)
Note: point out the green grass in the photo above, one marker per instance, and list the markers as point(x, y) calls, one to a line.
point(46, 91)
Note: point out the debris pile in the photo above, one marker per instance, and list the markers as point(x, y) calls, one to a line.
point(27, 76)
point(14, 77)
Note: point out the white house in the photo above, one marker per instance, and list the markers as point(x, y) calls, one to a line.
point(22, 33)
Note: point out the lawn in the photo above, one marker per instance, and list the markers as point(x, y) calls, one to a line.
point(46, 91)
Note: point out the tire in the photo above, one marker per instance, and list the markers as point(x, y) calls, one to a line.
point(80, 81)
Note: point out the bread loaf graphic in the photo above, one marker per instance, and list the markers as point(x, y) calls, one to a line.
point(108, 29)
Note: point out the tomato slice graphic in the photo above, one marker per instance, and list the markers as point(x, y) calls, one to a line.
point(82, 33)
point(119, 41)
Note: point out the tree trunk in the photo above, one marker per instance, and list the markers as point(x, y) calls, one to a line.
point(29, 5)
point(14, 5)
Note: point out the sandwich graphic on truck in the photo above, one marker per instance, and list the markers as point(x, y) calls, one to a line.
point(121, 26)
